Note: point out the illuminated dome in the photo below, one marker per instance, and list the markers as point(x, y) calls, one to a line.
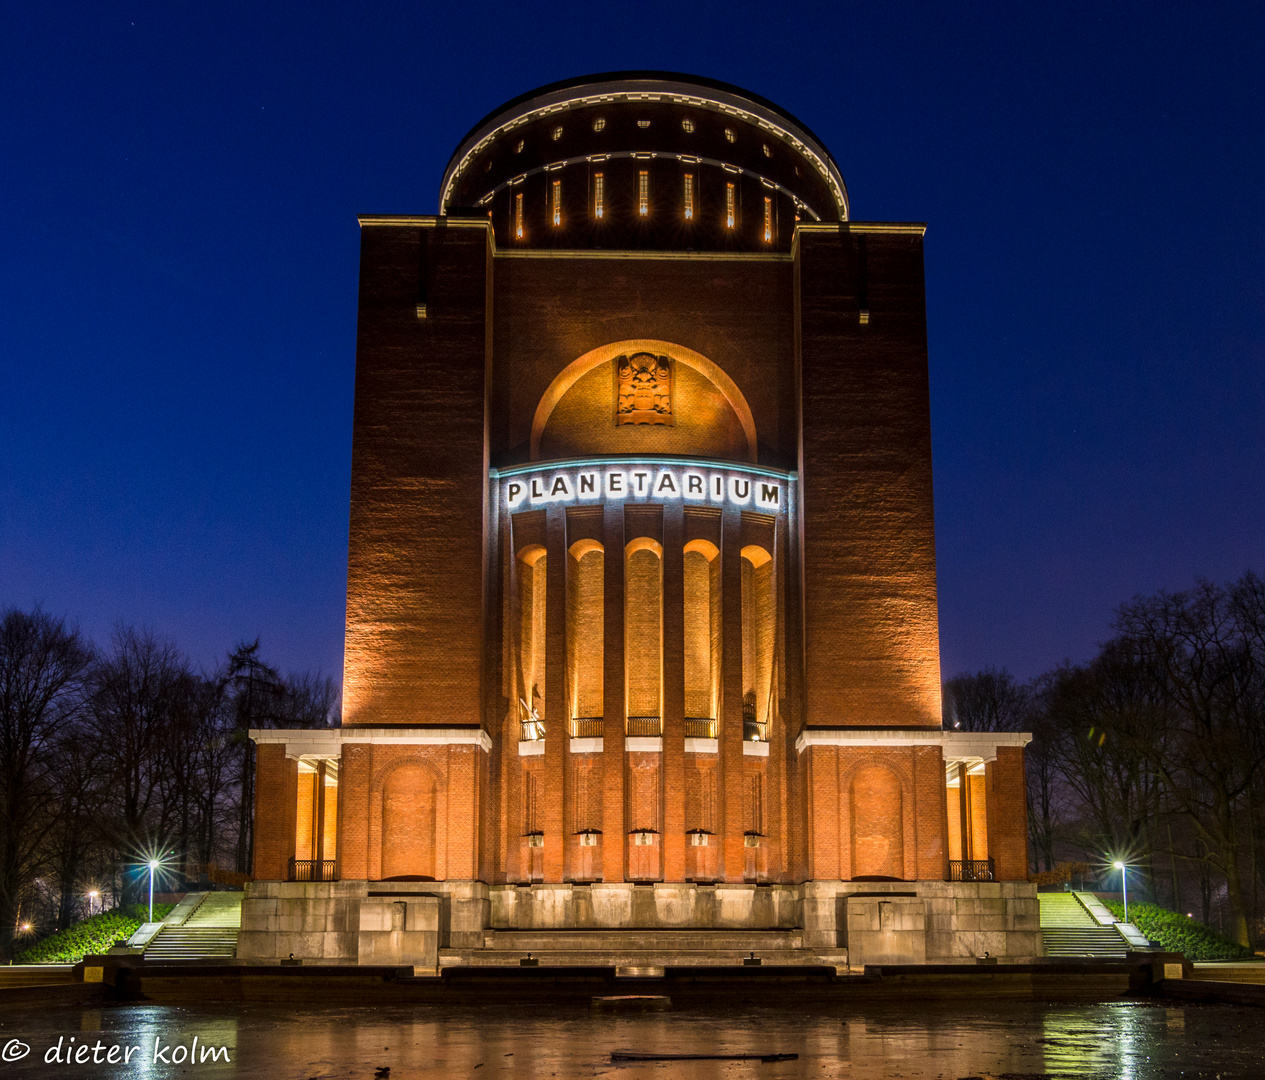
point(643, 160)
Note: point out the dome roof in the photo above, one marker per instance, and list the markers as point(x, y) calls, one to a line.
point(643, 160)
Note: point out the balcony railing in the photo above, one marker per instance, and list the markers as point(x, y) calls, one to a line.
point(532, 731)
point(313, 869)
point(644, 725)
point(971, 870)
point(754, 731)
point(587, 727)
point(700, 727)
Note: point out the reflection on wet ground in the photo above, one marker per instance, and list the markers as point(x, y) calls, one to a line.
point(920, 1041)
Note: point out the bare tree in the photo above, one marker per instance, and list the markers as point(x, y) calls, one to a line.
point(42, 668)
point(988, 700)
point(1205, 645)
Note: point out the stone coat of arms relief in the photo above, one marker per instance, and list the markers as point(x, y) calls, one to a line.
point(643, 389)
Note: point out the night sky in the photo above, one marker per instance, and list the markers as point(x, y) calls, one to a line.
point(178, 267)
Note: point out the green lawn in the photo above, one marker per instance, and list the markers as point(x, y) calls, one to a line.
point(1173, 931)
point(94, 935)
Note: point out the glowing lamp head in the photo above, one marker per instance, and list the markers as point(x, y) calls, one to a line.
point(1118, 865)
point(153, 864)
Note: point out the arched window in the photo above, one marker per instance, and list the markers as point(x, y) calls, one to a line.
point(643, 635)
point(531, 609)
point(702, 638)
point(759, 617)
point(585, 637)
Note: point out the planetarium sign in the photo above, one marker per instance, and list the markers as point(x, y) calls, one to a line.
point(644, 479)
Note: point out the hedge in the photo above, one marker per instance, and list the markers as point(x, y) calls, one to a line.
point(1174, 932)
point(94, 935)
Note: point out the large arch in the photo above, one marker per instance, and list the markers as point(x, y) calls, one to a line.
point(575, 370)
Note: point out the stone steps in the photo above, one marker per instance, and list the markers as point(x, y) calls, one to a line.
point(182, 943)
point(218, 909)
point(734, 941)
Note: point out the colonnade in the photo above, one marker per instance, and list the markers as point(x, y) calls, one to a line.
point(642, 739)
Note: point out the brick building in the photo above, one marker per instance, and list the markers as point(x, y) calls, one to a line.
point(641, 612)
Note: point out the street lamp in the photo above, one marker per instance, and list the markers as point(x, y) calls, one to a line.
point(92, 900)
point(153, 865)
point(1124, 886)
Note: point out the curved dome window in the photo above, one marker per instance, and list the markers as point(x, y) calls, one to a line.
point(557, 134)
point(729, 134)
point(643, 123)
point(687, 124)
point(599, 123)
point(767, 151)
point(519, 148)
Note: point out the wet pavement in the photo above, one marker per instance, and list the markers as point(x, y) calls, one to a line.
point(918, 1041)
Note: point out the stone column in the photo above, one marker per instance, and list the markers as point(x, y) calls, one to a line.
point(553, 787)
point(730, 725)
point(318, 808)
point(614, 840)
point(672, 762)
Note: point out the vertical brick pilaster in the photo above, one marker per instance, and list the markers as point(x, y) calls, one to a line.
point(929, 814)
point(553, 795)
point(353, 791)
point(276, 805)
point(1007, 814)
point(613, 683)
point(730, 733)
point(673, 816)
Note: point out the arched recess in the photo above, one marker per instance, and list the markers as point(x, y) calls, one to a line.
point(643, 627)
point(759, 618)
point(577, 369)
point(409, 797)
point(585, 629)
point(702, 629)
point(531, 635)
point(878, 824)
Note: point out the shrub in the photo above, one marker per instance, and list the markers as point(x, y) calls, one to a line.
point(94, 935)
point(1174, 932)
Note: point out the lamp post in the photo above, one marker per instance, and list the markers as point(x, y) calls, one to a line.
point(1124, 886)
point(153, 865)
point(92, 901)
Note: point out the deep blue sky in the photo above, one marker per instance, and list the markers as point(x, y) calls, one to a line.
point(179, 184)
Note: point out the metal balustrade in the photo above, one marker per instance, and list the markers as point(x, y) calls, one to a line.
point(700, 727)
point(532, 731)
point(587, 727)
point(313, 869)
point(971, 870)
point(644, 725)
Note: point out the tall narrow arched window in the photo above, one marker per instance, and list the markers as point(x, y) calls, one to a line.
point(585, 636)
point(702, 638)
point(531, 638)
point(758, 620)
point(643, 636)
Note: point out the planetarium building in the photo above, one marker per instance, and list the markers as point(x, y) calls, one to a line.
point(642, 658)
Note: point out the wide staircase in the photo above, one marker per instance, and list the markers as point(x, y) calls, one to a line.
point(643, 948)
point(1070, 930)
point(209, 931)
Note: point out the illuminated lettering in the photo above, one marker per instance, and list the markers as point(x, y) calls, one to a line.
point(718, 488)
point(615, 485)
point(740, 489)
point(693, 486)
point(560, 488)
point(666, 485)
point(537, 492)
point(588, 483)
point(513, 492)
point(640, 481)
point(767, 495)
